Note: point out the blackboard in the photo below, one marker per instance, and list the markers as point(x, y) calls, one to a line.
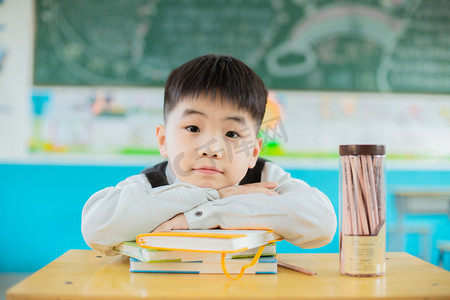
point(364, 45)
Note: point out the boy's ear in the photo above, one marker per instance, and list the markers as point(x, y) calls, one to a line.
point(255, 153)
point(161, 137)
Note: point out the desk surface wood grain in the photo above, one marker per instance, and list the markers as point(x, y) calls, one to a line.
point(82, 274)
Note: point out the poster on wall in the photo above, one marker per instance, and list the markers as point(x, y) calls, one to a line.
point(96, 121)
point(296, 124)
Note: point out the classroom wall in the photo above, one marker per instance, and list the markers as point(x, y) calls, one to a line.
point(41, 207)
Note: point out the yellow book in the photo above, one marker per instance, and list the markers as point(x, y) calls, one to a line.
point(213, 240)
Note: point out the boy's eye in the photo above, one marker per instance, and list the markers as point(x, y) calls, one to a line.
point(192, 128)
point(232, 134)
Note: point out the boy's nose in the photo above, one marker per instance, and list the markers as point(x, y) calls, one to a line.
point(211, 149)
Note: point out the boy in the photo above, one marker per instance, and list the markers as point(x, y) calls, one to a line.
point(213, 178)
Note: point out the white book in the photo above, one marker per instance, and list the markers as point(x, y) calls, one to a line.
point(265, 265)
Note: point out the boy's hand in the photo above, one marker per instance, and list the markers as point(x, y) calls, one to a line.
point(259, 187)
point(178, 222)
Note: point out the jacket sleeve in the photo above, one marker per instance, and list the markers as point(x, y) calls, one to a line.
point(117, 214)
point(302, 214)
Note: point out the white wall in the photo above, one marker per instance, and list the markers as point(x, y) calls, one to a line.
point(16, 41)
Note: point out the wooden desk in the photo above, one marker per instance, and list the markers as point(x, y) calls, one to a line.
point(81, 274)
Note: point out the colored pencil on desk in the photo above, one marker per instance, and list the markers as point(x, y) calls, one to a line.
point(296, 268)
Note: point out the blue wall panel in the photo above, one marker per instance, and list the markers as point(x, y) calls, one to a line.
point(41, 210)
point(41, 206)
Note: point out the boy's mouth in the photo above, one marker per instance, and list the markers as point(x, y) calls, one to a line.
point(208, 170)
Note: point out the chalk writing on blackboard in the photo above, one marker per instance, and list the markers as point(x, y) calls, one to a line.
point(390, 46)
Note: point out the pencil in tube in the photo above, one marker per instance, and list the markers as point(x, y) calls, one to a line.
point(360, 207)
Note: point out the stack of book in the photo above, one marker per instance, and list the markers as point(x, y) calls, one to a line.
point(200, 252)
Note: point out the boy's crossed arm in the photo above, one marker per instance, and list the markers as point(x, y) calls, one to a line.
point(119, 213)
point(179, 222)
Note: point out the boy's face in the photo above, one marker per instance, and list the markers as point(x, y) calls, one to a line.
point(209, 144)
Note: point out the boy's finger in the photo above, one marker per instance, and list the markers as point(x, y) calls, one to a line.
point(267, 191)
point(268, 185)
point(272, 193)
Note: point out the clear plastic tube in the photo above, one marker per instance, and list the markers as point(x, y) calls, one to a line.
point(362, 210)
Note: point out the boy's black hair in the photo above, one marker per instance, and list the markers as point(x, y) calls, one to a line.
point(220, 76)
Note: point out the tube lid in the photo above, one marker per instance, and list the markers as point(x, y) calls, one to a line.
point(362, 150)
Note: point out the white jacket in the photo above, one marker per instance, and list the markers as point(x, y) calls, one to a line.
point(301, 214)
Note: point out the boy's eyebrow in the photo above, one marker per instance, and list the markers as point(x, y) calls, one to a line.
point(190, 111)
point(237, 119)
